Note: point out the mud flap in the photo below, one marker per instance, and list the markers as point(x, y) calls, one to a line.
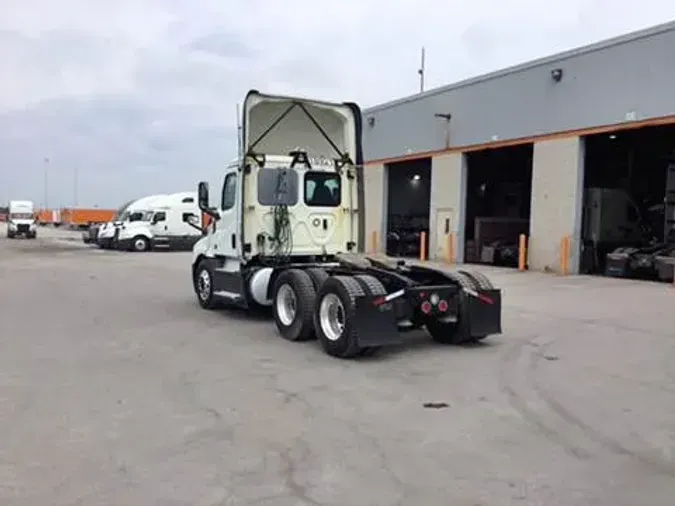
point(483, 313)
point(375, 324)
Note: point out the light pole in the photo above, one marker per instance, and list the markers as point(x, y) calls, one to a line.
point(46, 169)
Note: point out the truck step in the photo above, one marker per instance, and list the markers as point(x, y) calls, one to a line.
point(230, 296)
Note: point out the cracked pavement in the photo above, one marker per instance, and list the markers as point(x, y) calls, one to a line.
point(117, 389)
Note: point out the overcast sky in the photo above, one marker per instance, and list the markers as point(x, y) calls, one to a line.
point(139, 96)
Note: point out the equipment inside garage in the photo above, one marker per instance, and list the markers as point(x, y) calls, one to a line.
point(499, 186)
point(628, 227)
point(409, 196)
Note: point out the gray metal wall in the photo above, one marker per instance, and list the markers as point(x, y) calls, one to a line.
point(602, 84)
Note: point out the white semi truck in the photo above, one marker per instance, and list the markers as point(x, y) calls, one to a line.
point(174, 223)
point(136, 211)
point(21, 219)
point(288, 232)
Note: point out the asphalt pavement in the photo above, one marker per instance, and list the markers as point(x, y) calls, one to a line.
point(116, 388)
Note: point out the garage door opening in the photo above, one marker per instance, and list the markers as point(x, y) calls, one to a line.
point(408, 202)
point(499, 186)
point(629, 204)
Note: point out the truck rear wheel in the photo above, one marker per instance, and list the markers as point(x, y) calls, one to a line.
point(318, 276)
point(293, 302)
point(334, 316)
point(448, 332)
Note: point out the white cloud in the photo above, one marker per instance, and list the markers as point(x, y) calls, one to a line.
point(139, 96)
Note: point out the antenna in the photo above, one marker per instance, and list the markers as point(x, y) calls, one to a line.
point(421, 72)
point(240, 140)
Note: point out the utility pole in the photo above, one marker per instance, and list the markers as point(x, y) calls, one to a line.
point(421, 72)
point(46, 176)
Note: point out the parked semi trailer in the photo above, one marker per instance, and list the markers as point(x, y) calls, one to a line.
point(288, 231)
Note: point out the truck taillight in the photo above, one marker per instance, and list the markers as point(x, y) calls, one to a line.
point(442, 306)
point(426, 307)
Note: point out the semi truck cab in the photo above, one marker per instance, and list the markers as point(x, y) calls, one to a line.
point(21, 219)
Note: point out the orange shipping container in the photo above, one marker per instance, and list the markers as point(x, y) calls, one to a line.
point(48, 217)
point(83, 217)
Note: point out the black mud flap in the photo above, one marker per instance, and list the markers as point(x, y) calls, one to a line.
point(375, 324)
point(483, 312)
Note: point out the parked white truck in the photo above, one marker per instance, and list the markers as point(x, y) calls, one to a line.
point(289, 233)
point(21, 219)
point(175, 223)
point(136, 211)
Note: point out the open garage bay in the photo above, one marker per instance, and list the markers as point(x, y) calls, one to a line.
point(117, 389)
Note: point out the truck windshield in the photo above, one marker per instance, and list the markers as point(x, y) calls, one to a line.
point(138, 215)
point(21, 216)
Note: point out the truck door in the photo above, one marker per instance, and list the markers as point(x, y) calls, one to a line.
point(226, 236)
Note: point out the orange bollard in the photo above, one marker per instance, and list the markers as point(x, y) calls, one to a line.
point(423, 246)
point(522, 252)
point(564, 255)
point(373, 242)
point(449, 248)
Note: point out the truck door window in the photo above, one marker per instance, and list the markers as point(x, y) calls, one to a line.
point(159, 216)
point(322, 189)
point(229, 192)
point(137, 216)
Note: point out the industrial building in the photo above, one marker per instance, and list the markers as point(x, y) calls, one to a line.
point(529, 150)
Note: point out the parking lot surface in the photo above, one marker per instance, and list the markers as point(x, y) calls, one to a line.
point(117, 389)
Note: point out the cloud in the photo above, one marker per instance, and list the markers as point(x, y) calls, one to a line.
point(139, 97)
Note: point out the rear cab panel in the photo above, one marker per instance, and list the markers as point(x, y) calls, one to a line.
point(275, 127)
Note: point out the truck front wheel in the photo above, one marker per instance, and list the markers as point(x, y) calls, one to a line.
point(293, 302)
point(203, 284)
point(140, 244)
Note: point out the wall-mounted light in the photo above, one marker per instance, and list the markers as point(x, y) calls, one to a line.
point(557, 75)
point(416, 177)
point(371, 121)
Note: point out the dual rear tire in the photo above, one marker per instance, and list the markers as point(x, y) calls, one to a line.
point(308, 303)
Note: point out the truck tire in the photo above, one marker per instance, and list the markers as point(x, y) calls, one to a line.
point(140, 244)
point(319, 277)
point(293, 299)
point(372, 286)
point(480, 280)
point(334, 316)
point(452, 332)
point(203, 285)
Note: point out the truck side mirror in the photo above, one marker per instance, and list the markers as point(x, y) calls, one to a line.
point(203, 195)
